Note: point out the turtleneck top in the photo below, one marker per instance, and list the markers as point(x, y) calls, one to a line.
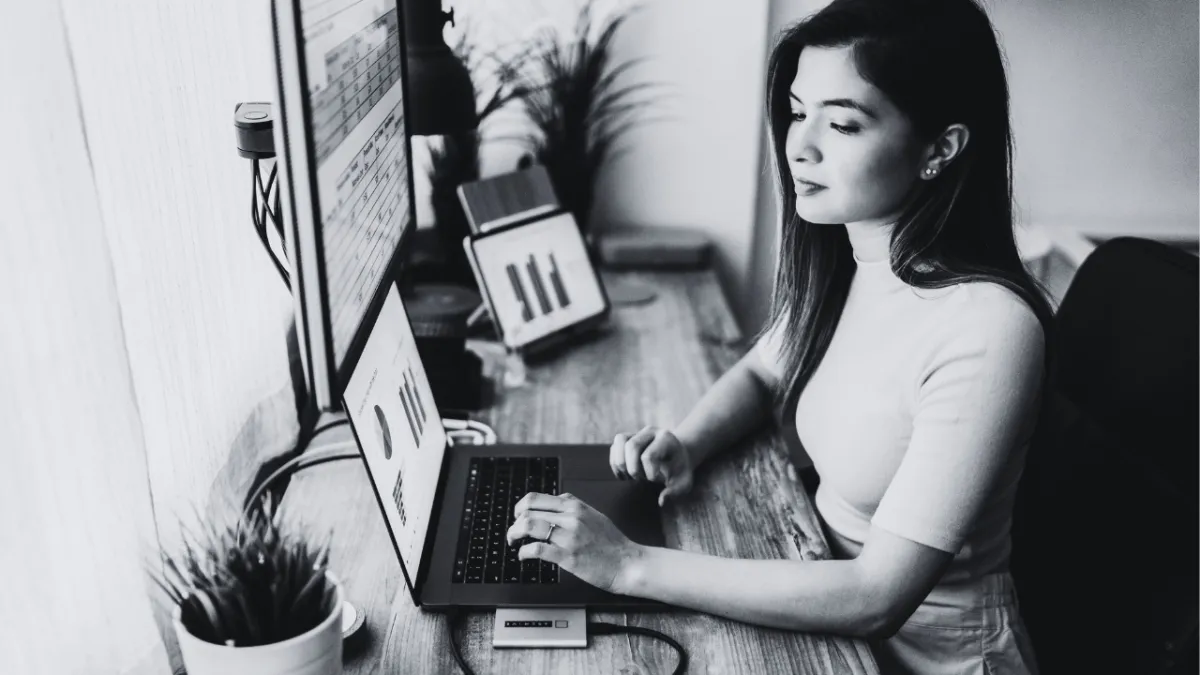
point(919, 415)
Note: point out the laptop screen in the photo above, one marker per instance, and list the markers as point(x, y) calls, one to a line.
point(400, 434)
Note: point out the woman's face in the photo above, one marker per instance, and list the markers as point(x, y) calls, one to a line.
point(853, 156)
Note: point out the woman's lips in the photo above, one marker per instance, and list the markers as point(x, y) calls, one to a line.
point(805, 188)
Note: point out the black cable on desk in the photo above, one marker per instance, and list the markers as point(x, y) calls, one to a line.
point(329, 425)
point(273, 467)
point(594, 627)
point(455, 615)
point(602, 628)
point(297, 464)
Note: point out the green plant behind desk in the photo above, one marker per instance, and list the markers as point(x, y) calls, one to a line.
point(579, 107)
point(265, 586)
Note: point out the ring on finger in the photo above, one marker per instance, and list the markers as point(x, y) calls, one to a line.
point(549, 532)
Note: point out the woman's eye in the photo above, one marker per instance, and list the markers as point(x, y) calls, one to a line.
point(798, 116)
point(845, 129)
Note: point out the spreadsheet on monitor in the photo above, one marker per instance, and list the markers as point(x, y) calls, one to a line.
point(353, 62)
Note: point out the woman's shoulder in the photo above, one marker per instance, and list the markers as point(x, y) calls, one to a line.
point(994, 298)
point(988, 312)
point(988, 333)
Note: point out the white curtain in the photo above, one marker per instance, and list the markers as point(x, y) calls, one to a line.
point(142, 321)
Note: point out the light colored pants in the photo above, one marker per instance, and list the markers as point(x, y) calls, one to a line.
point(973, 628)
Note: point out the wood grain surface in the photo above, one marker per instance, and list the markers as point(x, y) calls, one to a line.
point(649, 366)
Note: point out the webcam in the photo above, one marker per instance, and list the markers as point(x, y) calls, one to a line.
point(254, 136)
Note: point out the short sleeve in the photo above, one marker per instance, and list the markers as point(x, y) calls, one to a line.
point(975, 402)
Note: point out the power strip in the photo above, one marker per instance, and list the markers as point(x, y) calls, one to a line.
point(551, 627)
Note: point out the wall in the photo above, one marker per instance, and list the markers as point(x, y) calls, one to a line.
point(204, 312)
point(1105, 112)
point(1104, 117)
point(696, 166)
point(143, 321)
point(75, 513)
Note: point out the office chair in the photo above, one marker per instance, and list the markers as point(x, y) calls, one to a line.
point(1106, 517)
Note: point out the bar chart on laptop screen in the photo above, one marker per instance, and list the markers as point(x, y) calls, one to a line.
point(538, 277)
point(396, 422)
point(352, 49)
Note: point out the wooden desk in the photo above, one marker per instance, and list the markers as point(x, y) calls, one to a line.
point(650, 367)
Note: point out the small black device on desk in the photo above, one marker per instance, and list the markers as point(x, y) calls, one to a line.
point(439, 313)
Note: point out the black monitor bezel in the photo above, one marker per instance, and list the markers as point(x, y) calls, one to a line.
point(417, 578)
point(338, 374)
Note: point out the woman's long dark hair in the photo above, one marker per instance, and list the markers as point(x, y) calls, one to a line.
point(939, 62)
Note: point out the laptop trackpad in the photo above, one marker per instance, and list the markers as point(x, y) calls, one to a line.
point(631, 505)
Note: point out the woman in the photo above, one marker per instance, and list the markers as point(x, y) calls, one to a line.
point(906, 335)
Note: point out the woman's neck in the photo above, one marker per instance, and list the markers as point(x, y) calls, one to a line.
point(871, 240)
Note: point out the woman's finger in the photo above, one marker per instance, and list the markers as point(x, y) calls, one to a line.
point(616, 455)
point(633, 452)
point(542, 551)
point(655, 459)
point(538, 501)
point(536, 525)
point(675, 487)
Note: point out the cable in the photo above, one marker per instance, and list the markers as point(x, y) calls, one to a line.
point(455, 615)
point(291, 466)
point(595, 628)
point(259, 218)
point(326, 427)
point(602, 628)
point(306, 459)
point(470, 431)
point(276, 213)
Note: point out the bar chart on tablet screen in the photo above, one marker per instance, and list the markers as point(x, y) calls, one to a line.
point(538, 277)
point(352, 49)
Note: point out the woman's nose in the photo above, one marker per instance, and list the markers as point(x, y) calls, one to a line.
point(802, 143)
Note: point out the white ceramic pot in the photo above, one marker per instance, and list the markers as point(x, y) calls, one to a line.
point(317, 652)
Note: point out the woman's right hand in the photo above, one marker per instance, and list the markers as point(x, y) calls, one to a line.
point(656, 455)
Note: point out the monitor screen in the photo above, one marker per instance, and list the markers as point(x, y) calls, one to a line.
point(391, 409)
point(341, 71)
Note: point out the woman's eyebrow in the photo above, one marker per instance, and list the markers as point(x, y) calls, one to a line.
point(843, 103)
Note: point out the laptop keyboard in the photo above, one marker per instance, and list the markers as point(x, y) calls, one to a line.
point(494, 486)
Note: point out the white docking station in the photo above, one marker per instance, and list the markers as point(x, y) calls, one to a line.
point(547, 627)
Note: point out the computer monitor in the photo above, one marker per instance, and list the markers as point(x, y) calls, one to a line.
point(344, 152)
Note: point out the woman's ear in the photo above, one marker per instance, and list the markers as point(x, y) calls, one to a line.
point(943, 150)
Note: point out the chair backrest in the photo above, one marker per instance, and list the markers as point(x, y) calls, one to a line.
point(1106, 520)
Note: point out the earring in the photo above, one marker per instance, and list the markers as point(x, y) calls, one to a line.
point(930, 172)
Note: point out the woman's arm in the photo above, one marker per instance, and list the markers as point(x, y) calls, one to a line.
point(739, 402)
point(870, 596)
point(976, 403)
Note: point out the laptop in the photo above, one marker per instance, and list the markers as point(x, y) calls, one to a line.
point(447, 508)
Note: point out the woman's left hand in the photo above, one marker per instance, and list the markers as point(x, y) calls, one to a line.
point(583, 541)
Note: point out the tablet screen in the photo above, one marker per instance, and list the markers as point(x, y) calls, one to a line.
point(538, 277)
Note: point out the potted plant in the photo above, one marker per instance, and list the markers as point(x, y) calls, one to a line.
point(578, 107)
point(260, 602)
